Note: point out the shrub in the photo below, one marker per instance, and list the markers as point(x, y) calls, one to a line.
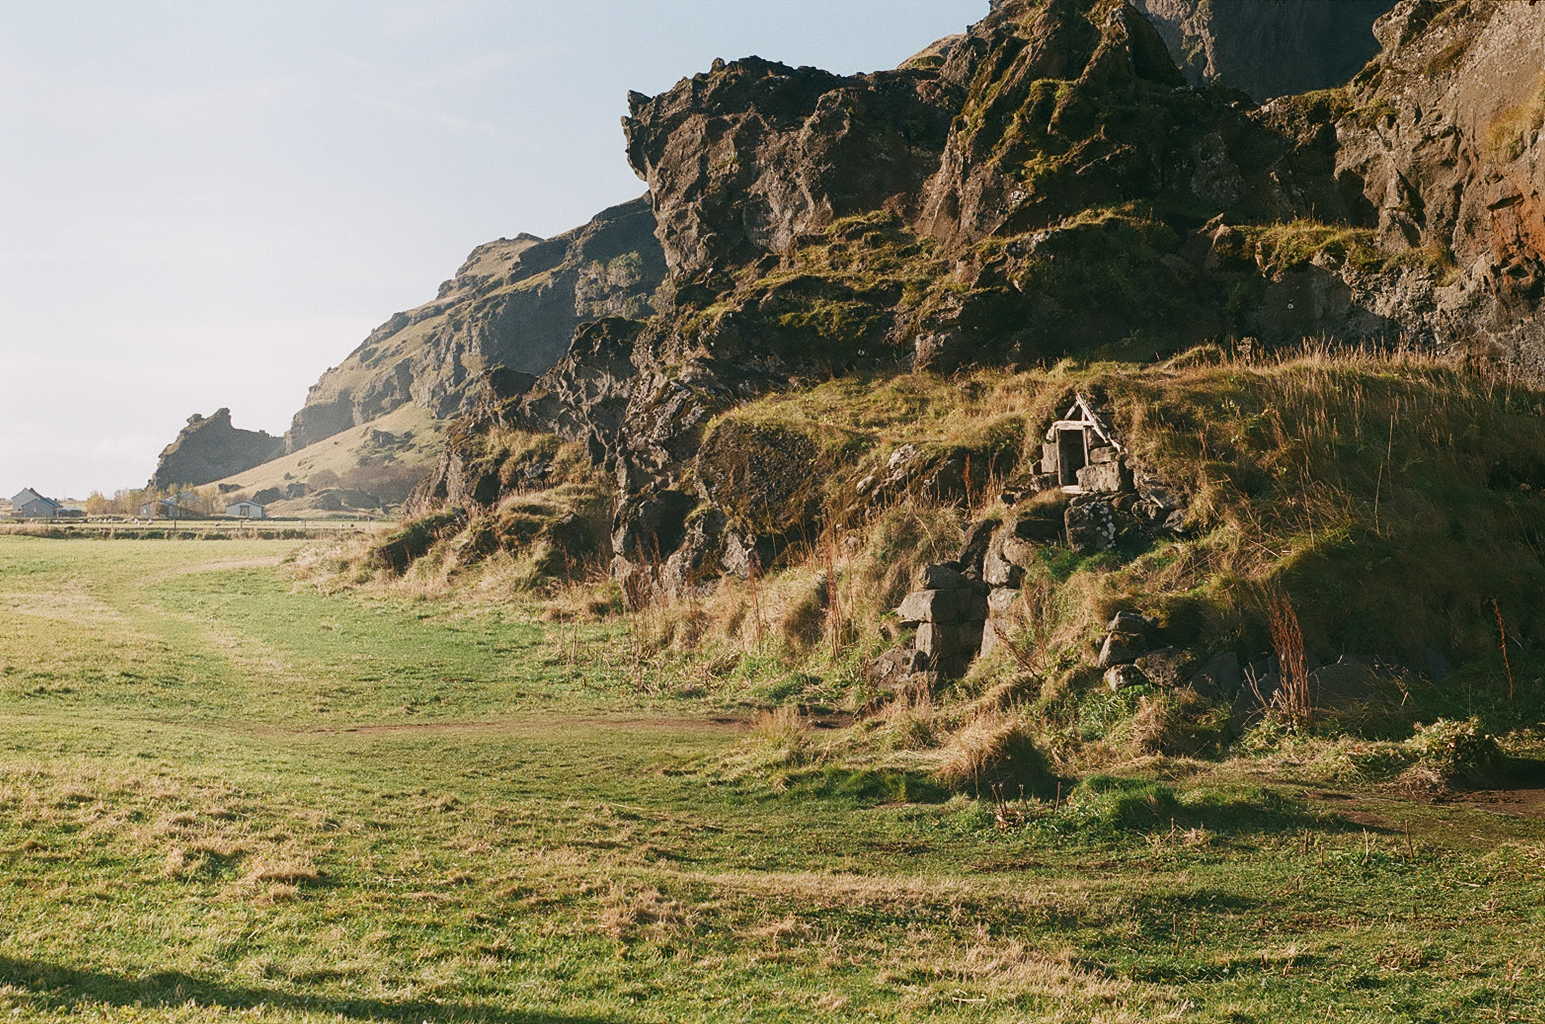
point(1449, 751)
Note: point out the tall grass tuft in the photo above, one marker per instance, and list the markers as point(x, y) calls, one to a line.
point(1294, 704)
point(993, 748)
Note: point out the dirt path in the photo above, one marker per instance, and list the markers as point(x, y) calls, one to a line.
point(534, 720)
point(1515, 803)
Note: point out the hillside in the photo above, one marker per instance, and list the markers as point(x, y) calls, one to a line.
point(507, 315)
point(366, 467)
point(1279, 331)
point(514, 303)
point(1299, 336)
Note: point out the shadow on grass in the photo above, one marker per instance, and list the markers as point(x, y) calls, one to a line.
point(869, 786)
point(1119, 806)
point(54, 987)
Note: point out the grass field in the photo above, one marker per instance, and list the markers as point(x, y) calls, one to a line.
point(223, 795)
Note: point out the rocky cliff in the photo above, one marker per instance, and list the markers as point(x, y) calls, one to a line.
point(514, 304)
point(211, 448)
point(1443, 142)
point(1047, 183)
point(1268, 48)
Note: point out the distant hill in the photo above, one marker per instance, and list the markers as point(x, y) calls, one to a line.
point(506, 316)
point(514, 303)
point(368, 467)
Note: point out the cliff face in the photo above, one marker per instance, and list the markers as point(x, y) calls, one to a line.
point(514, 303)
point(1268, 48)
point(209, 449)
point(1445, 145)
point(1046, 184)
point(751, 155)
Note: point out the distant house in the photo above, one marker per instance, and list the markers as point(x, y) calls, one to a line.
point(163, 508)
point(245, 510)
point(29, 504)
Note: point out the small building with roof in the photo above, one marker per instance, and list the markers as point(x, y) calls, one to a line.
point(246, 510)
point(29, 504)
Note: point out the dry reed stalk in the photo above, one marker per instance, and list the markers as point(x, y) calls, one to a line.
point(833, 597)
point(756, 601)
point(1505, 663)
point(1294, 702)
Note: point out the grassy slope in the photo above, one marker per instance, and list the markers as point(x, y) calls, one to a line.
point(1391, 499)
point(223, 794)
point(343, 454)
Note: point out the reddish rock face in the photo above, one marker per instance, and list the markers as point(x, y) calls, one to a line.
point(1445, 146)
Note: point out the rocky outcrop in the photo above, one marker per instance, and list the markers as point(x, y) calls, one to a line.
point(1018, 130)
point(209, 449)
point(747, 157)
point(1044, 183)
point(512, 308)
point(1268, 48)
point(1444, 144)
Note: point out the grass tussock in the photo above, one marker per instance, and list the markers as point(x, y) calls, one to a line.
point(992, 750)
point(546, 542)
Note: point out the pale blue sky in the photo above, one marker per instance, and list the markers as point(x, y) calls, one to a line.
point(210, 203)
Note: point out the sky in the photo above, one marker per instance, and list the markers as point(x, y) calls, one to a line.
point(209, 204)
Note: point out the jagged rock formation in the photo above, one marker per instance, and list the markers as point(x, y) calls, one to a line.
point(1268, 48)
point(1445, 142)
point(744, 159)
point(209, 449)
point(1045, 183)
point(514, 304)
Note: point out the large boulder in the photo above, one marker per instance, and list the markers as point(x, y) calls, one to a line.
point(1219, 677)
point(1091, 525)
point(1168, 667)
point(766, 477)
point(649, 527)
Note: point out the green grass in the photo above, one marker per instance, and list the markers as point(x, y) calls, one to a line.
point(225, 796)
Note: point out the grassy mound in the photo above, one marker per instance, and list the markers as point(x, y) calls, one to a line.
point(1385, 504)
